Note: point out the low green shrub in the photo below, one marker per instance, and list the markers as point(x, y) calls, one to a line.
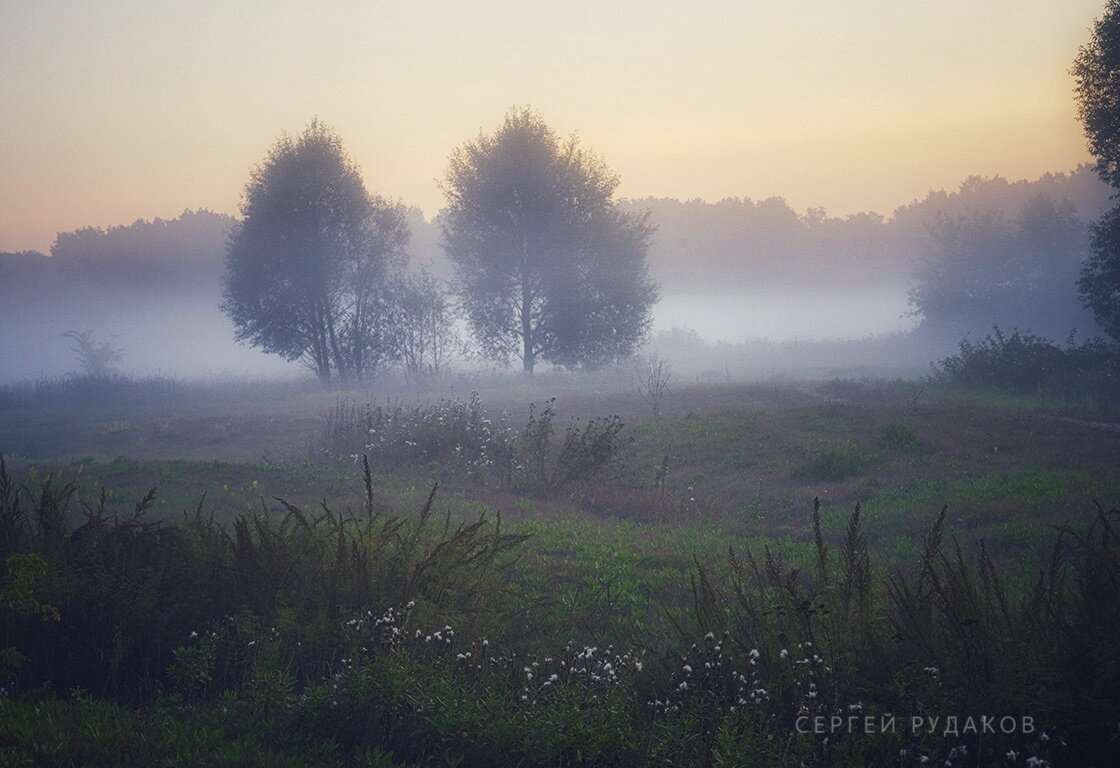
point(1027, 364)
point(833, 463)
point(902, 439)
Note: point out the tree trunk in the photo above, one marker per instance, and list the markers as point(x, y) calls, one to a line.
point(528, 358)
point(321, 355)
point(340, 362)
point(529, 353)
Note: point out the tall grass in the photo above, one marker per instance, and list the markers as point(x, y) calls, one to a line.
point(387, 638)
point(129, 590)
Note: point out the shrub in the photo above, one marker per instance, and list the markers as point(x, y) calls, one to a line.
point(1027, 364)
point(833, 464)
point(462, 441)
point(900, 438)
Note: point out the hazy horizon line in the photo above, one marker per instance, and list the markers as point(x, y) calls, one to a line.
point(430, 217)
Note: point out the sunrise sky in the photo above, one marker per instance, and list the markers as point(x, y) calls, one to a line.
point(113, 111)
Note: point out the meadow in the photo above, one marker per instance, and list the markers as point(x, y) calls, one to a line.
point(552, 573)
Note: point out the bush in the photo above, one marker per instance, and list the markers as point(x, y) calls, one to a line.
point(833, 464)
point(901, 438)
point(1027, 364)
point(462, 441)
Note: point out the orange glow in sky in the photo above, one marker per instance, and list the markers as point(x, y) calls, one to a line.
point(114, 111)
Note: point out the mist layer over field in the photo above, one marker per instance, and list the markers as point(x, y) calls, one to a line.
point(729, 272)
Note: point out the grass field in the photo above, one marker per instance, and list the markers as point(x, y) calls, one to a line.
point(614, 559)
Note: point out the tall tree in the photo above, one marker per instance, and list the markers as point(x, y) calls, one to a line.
point(308, 264)
point(987, 270)
point(1099, 284)
point(549, 267)
point(1097, 71)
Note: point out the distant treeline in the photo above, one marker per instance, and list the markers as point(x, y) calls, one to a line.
point(740, 244)
point(160, 255)
point(994, 252)
point(730, 245)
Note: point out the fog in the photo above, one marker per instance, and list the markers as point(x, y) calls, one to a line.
point(784, 315)
point(183, 335)
point(731, 272)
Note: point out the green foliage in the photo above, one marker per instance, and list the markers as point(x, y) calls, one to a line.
point(1096, 70)
point(45, 732)
point(105, 388)
point(903, 439)
point(1024, 363)
point(308, 264)
point(377, 639)
point(195, 662)
point(833, 463)
point(985, 270)
point(18, 592)
point(129, 591)
point(1100, 275)
point(549, 266)
point(461, 439)
point(947, 637)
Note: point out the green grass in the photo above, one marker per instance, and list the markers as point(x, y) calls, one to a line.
point(612, 564)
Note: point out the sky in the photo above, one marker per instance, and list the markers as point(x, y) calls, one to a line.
point(114, 111)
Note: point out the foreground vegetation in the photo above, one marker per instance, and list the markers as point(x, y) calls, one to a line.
point(631, 590)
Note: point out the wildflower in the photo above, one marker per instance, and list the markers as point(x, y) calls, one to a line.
point(1012, 755)
point(194, 635)
point(754, 653)
point(687, 669)
point(784, 654)
point(683, 686)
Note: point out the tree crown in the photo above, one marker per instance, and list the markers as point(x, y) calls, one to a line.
point(547, 264)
